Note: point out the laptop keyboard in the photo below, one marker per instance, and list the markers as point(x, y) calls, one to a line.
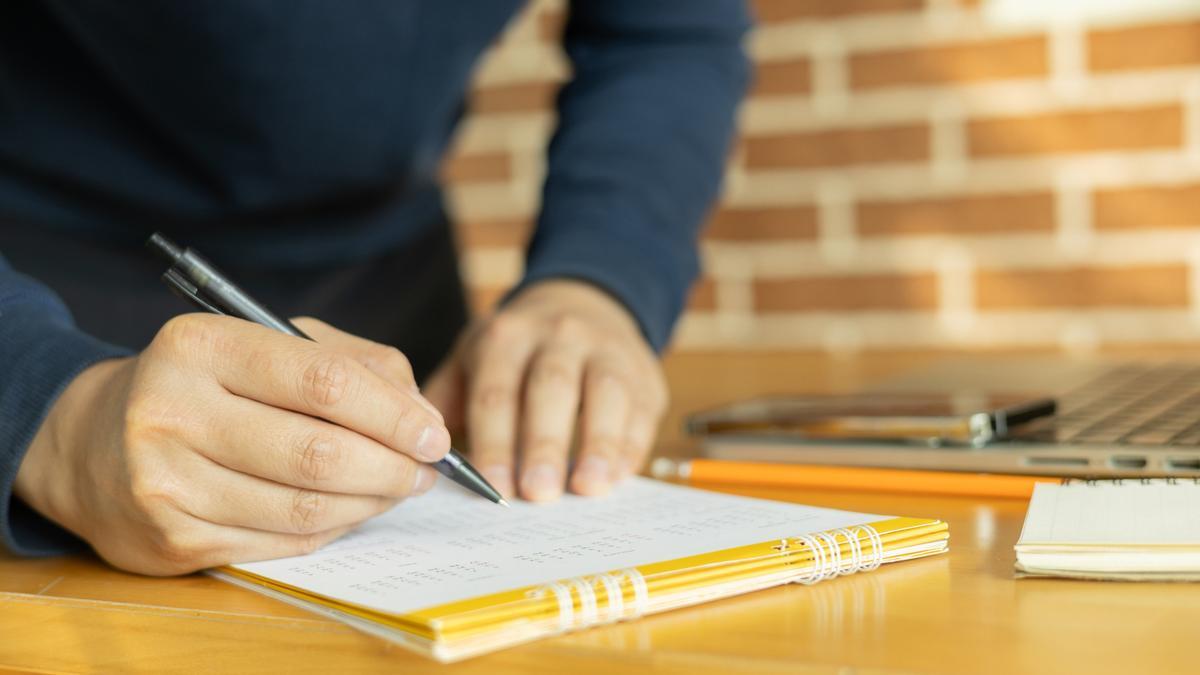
point(1129, 405)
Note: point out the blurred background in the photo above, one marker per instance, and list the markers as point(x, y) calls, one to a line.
point(909, 175)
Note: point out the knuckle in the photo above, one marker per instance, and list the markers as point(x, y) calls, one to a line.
point(504, 328)
point(555, 374)
point(179, 549)
point(140, 424)
point(493, 397)
point(307, 511)
point(318, 458)
point(326, 381)
point(605, 444)
point(310, 543)
point(187, 332)
point(567, 328)
point(387, 355)
point(608, 378)
point(545, 446)
point(150, 489)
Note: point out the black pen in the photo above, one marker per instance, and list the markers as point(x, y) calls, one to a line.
point(197, 281)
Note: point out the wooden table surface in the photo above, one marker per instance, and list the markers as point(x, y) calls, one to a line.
point(957, 613)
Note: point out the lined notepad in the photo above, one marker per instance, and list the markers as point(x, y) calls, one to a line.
point(452, 576)
point(1143, 529)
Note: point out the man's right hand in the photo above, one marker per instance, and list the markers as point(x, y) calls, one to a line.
point(228, 442)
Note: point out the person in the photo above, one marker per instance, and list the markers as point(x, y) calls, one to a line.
point(296, 144)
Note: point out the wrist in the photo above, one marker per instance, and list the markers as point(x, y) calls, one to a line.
point(579, 295)
point(48, 477)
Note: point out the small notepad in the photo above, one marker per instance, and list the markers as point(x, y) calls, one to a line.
point(1137, 529)
point(451, 575)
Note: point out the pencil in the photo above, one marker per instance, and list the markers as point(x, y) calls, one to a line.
point(905, 481)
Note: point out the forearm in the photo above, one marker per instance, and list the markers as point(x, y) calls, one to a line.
point(40, 353)
point(637, 160)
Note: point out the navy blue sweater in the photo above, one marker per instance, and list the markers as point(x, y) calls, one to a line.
point(244, 125)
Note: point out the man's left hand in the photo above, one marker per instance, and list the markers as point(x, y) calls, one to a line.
point(559, 357)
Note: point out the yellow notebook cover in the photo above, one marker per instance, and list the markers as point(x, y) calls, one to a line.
point(452, 576)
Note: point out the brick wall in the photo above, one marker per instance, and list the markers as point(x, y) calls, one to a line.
point(909, 174)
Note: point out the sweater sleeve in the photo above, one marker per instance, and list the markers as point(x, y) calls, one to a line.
point(644, 128)
point(40, 353)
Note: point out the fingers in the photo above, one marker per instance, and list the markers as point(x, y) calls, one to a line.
point(495, 376)
point(242, 546)
point(641, 431)
point(550, 405)
point(384, 360)
point(253, 503)
point(304, 452)
point(192, 544)
point(606, 409)
point(281, 371)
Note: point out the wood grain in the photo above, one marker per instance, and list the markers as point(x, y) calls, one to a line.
point(960, 613)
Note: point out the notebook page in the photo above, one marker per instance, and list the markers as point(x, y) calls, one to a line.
point(450, 545)
point(1114, 513)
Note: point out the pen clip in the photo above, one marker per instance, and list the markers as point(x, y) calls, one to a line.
point(185, 289)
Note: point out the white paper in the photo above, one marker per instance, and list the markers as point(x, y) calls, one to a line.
point(450, 545)
point(1129, 512)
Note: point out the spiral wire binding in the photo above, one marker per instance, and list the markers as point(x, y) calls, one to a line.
point(585, 588)
point(827, 553)
point(827, 563)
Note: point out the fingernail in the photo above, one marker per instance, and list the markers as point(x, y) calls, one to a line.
point(541, 482)
point(426, 477)
point(592, 476)
point(501, 478)
point(433, 443)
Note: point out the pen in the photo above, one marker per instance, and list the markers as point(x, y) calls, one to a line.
point(197, 281)
point(820, 477)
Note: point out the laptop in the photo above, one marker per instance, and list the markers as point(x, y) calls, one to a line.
point(1115, 417)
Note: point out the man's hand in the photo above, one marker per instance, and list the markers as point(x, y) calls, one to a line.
point(225, 441)
point(560, 355)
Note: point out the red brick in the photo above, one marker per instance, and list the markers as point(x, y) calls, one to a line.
point(962, 63)
point(493, 166)
point(703, 296)
point(524, 97)
point(1120, 129)
point(483, 299)
point(783, 78)
point(848, 293)
point(839, 147)
point(1147, 206)
point(503, 233)
point(1153, 46)
point(745, 224)
point(975, 214)
point(1149, 286)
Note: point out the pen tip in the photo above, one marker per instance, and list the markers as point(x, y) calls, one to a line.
point(503, 503)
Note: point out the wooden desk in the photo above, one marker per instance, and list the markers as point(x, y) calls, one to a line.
point(959, 613)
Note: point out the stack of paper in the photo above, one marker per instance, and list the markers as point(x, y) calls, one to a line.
point(452, 576)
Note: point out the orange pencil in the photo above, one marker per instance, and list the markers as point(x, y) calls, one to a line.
point(850, 478)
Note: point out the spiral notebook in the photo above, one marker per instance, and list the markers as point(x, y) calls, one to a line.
point(1143, 529)
point(452, 576)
